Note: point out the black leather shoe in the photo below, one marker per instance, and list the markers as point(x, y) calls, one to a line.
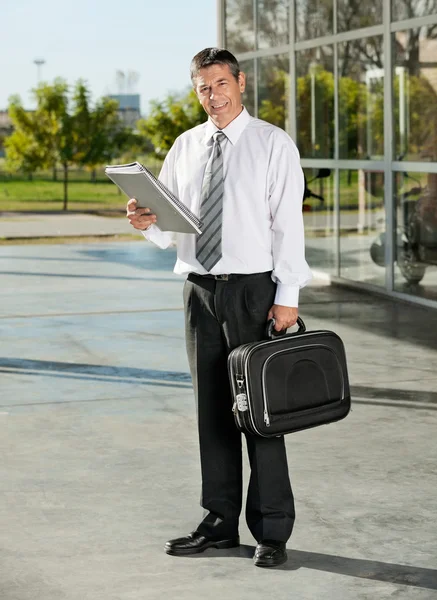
point(196, 543)
point(270, 553)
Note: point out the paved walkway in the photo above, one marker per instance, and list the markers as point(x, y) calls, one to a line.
point(16, 225)
point(99, 463)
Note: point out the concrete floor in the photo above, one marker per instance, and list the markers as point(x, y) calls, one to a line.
point(98, 447)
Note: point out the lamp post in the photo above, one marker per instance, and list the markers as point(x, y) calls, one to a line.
point(39, 62)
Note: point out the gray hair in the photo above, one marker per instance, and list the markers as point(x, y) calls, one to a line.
point(213, 56)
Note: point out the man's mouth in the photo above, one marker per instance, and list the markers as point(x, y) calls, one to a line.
point(217, 106)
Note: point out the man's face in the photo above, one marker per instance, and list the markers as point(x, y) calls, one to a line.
point(220, 93)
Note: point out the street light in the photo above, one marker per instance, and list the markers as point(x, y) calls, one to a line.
point(39, 62)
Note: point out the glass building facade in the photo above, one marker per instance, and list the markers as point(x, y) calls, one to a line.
point(354, 82)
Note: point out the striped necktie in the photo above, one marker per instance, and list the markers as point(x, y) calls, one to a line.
point(209, 242)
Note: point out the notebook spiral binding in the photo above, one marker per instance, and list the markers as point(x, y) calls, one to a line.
point(167, 192)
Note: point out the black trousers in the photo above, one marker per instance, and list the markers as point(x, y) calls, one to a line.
point(219, 316)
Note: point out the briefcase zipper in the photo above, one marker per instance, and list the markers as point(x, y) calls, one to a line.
point(241, 404)
point(266, 415)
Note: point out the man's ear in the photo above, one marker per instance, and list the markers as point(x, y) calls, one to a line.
point(242, 81)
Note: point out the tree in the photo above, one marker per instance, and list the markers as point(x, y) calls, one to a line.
point(323, 119)
point(42, 138)
point(64, 129)
point(170, 118)
point(273, 99)
point(98, 132)
point(23, 153)
point(57, 127)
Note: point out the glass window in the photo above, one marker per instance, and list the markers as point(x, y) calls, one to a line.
point(239, 25)
point(354, 14)
point(408, 9)
point(415, 268)
point(273, 23)
point(274, 90)
point(362, 226)
point(319, 219)
point(314, 19)
point(247, 66)
point(315, 102)
point(415, 94)
point(361, 99)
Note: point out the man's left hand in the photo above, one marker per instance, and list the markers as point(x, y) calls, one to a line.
point(285, 316)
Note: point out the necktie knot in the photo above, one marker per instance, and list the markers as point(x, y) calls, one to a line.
point(219, 137)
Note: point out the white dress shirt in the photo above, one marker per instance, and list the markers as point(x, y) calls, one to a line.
point(262, 226)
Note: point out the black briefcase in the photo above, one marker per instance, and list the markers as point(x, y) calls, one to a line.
point(289, 382)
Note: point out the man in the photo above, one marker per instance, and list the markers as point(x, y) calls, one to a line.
point(242, 176)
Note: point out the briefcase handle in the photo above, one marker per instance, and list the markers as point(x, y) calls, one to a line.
point(271, 333)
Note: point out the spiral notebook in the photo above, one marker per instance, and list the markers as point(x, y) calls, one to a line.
point(136, 181)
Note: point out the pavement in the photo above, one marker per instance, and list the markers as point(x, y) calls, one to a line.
point(99, 458)
point(34, 225)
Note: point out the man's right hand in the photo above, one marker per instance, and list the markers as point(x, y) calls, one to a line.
point(140, 218)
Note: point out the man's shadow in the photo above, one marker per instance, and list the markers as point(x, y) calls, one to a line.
point(355, 567)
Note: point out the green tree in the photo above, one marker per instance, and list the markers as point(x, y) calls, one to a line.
point(42, 138)
point(23, 153)
point(273, 106)
point(170, 118)
point(64, 129)
point(323, 88)
point(98, 134)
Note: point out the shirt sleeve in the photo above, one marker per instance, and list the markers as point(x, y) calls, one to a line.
point(164, 239)
point(286, 187)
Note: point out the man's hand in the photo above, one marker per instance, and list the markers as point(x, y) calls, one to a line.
point(285, 316)
point(140, 218)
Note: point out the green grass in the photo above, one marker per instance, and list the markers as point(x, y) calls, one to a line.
point(43, 194)
point(18, 194)
point(48, 196)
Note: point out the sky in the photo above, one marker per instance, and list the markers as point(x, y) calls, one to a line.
point(92, 39)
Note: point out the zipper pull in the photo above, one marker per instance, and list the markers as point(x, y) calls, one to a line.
point(266, 418)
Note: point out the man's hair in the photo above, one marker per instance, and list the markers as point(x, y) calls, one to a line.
point(213, 56)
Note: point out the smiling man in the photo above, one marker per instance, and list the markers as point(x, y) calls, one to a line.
point(242, 177)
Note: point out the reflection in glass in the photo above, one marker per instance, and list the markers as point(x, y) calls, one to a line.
point(362, 225)
point(415, 94)
point(239, 25)
point(353, 14)
point(313, 19)
point(408, 9)
point(361, 99)
point(319, 219)
point(274, 90)
point(315, 102)
point(247, 66)
point(273, 21)
point(416, 233)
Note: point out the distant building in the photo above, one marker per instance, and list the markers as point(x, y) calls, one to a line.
point(129, 108)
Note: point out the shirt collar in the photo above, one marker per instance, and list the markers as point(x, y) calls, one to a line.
point(232, 131)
